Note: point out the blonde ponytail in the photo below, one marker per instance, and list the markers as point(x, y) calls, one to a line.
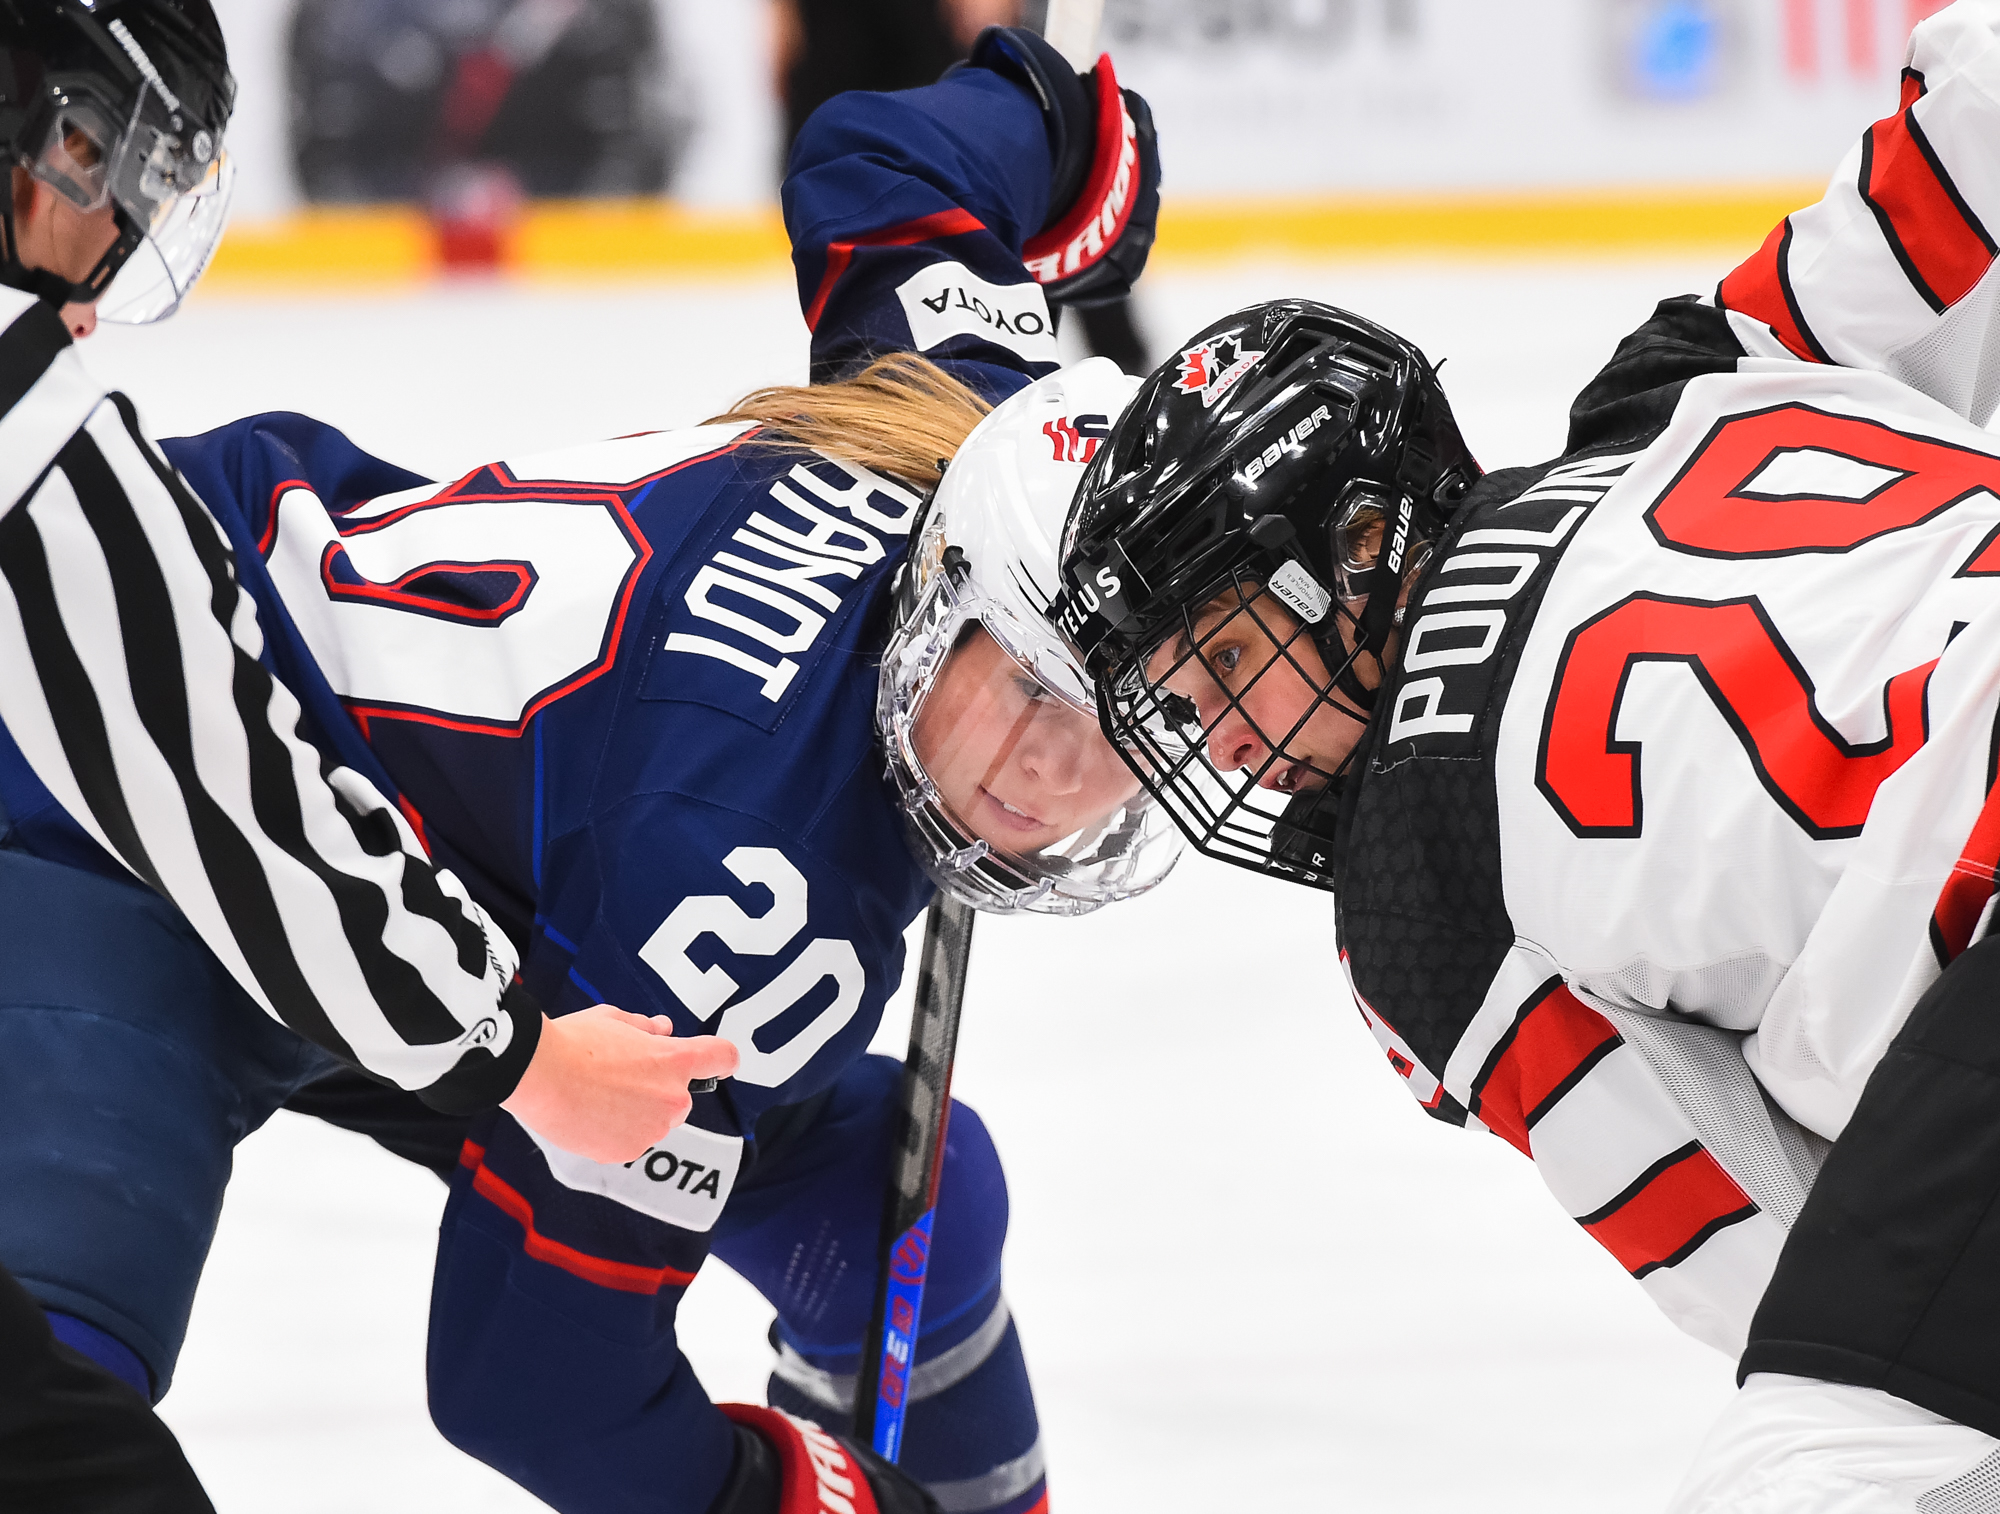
point(900, 415)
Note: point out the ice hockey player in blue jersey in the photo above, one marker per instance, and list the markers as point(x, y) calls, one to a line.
point(699, 737)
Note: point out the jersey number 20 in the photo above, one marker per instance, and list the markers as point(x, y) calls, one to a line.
point(1720, 506)
point(705, 990)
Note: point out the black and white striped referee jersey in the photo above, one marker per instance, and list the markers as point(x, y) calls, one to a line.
point(130, 680)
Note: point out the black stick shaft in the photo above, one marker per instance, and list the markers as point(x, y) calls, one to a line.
point(882, 1387)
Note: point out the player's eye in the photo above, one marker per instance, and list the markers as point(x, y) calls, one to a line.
point(1225, 659)
point(1030, 689)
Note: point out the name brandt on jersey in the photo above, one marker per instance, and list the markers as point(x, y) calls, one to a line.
point(784, 575)
point(1463, 615)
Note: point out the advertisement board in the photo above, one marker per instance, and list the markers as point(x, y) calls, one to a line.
point(1318, 97)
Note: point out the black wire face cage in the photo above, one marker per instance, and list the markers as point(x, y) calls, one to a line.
point(1185, 714)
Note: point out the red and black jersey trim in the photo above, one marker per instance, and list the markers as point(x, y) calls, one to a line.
point(1941, 245)
point(1554, 1042)
point(1669, 1211)
point(626, 1277)
point(1761, 287)
point(1974, 876)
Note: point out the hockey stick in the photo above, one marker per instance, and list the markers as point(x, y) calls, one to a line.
point(1071, 29)
point(888, 1352)
point(881, 1390)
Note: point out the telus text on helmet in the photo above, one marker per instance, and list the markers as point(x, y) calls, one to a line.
point(1447, 664)
point(1072, 609)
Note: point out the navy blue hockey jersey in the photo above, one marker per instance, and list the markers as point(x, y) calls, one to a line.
point(624, 693)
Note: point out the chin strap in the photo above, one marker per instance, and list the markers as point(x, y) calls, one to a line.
point(14, 274)
point(53, 287)
point(1346, 680)
point(39, 282)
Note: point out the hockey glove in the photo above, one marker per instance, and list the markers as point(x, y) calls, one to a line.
point(1104, 198)
point(791, 1466)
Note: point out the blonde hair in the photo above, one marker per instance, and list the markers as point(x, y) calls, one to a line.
point(902, 415)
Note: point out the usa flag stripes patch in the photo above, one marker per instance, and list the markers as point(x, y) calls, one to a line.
point(1554, 1043)
point(1668, 1211)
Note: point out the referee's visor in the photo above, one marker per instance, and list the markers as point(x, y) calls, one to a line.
point(168, 177)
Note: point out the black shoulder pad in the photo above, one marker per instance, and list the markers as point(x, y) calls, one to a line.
point(1634, 395)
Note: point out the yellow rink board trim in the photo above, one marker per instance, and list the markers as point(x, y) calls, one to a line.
point(657, 239)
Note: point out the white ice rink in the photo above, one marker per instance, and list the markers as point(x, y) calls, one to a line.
point(1249, 1273)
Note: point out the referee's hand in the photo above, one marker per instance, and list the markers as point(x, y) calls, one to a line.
point(607, 1085)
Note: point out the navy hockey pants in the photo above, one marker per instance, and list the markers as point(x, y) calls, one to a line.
point(553, 1355)
point(130, 1066)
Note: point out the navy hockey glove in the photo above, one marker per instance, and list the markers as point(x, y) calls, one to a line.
point(1104, 198)
point(791, 1466)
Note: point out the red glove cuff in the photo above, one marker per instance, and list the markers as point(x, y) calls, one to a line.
point(1104, 208)
point(818, 1474)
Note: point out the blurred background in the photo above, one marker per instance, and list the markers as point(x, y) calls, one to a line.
point(1248, 1272)
point(381, 139)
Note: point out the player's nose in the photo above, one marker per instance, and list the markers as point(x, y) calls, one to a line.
point(1234, 742)
point(1055, 755)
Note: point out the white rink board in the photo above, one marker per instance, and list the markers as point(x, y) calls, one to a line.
point(1248, 1272)
point(1316, 97)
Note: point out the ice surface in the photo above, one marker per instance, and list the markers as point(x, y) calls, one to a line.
point(1248, 1272)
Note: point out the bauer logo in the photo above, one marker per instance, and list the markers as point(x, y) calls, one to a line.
point(1303, 593)
point(684, 1180)
point(948, 300)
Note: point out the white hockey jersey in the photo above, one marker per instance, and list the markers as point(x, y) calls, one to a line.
point(1685, 786)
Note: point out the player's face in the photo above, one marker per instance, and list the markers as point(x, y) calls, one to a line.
point(1016, 764)
point(1262, 692)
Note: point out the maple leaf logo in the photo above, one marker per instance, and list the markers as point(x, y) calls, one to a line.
point(1197, 370)
point(1214, 366)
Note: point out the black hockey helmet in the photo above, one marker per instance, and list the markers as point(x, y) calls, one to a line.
point(119, 102)
point(1233, 562)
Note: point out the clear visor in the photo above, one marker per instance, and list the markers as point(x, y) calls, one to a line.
point(171, 180)
point(174, 254)
point(1017, 800)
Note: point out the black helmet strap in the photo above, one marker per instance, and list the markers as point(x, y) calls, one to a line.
point(53, 287)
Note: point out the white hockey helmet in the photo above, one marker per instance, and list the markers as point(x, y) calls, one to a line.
point(1012, 797)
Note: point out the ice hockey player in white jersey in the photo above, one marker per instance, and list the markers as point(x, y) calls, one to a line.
point(1656, 784)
